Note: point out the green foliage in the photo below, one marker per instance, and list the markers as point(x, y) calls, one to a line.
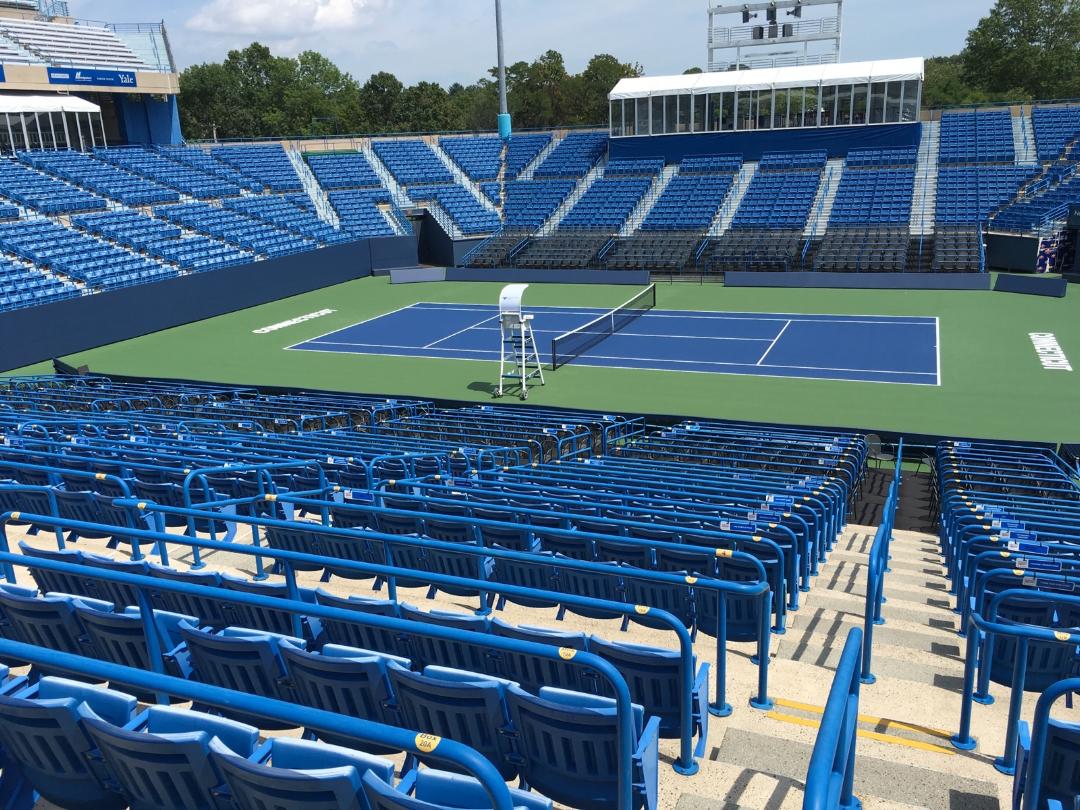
point(254, 93)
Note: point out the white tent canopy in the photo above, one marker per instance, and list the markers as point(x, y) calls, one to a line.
point(887, 70)
point(17, 103)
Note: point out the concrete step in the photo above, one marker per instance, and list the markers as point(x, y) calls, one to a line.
point(928, 616)
point(877, 778)
point(829, 628)
point(906, 665)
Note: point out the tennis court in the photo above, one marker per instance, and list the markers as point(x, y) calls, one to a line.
point(880, 349)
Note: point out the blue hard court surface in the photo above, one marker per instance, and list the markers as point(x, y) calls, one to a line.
point(860, 348)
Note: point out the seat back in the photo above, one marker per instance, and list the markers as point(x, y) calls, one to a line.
point(652, 676)
point(301, 775)
point(459, 705)
point(215, 613)
point(43, 737)
point(364, 637)
point(533, 672)
point(301, 540)
point(48, 621)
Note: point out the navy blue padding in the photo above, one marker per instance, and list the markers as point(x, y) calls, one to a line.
point(533, 672)
point(247, 661)
point(464, 706)
point(167, 763)
point(1032, 285)
point(301, 775)
point(350, 634)
point(345, 680)
point(652, 675)
point(566, 741)
point(43, 737)
point(439, 790)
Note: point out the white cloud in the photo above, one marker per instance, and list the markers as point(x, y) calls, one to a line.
point(284, 18)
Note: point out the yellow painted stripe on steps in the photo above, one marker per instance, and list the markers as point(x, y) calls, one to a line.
point(869, 735)
point(867, 718)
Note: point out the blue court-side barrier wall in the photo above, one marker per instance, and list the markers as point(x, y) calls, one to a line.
point(837, 141)
point(1032, 285)
point(526, 275)
point(1007, 251)
point(861, 281)
point(53, 330)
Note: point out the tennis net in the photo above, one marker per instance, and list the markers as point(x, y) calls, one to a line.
point(572, 344)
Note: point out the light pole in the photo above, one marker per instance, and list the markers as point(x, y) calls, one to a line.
point(504, 115)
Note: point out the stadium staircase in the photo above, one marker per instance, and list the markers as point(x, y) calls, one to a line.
point(823, 202)
point(501, 179)
point(583, 185)
point(734, 197)
point(924, 199)
point(460, 177)
point(319, 200)
point(637, 216)
point(1024, 139)
point(528, 171)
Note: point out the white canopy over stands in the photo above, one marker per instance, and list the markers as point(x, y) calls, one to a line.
point(842, 94)
point(55, 121)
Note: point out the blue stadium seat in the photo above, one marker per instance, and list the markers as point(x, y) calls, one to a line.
point(439, 790)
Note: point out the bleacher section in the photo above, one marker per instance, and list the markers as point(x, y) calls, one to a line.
point(359, 211)
point(523, 150)
point(574, 157)
point(478, 156)
point(183, 177)
point(43, 193)
point(276, 210)
point(1045, 203)
point(79, 45)
point(201, 159)
point(606, 205)
point(22, 286)
point(102, 178)
point(982, 136)
point(412, 162)
point(235, 228)
point(1055, 128)
point(468, 214)
point(269, 165)
point(529, 203)
point(868, 225)
point(969, 194)
point(343, 170)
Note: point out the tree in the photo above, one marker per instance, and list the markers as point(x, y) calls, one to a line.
point(380, 98)
point(209, 101)
point(945, 84)
point(590, 88)
point(691, 71)
point(1030, 47)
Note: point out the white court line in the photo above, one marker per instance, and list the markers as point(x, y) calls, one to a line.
point(620, 357)
point(461, 331)
point(639, 368)
point(772, 345)
point(628, 333)
point(937, 348)
point(350, 326)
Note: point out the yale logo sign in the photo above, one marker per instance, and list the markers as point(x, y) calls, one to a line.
point(1049, 351)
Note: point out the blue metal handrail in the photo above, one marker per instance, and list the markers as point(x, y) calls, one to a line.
point(1032, 796)
point(830, 777)
point(364, 731)
point(145, 585)
point(685, 764)
point(877, 567)
point(988, 626)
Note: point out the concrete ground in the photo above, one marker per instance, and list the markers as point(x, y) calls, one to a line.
point(757, 759)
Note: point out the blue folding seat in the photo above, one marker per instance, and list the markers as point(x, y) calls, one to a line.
point(247, 661)
point(43, 737)
point(166, 761)
point(566, 745)
point(593, 584)
point(119, 593)
point(528, 574)
point(677, 598)
point(366, 637)
point(49, 621)
point(301, 775)
point(270, 620)
point(467, 707)
point(294, 538)
point(427, 650)
point(653, 676)
point(1047, 661)
point(345, 680)
point(532, 672)
point(212, 613)
point(56, 581)
point(440, 790)
point(1060, 784)
point(452, 564)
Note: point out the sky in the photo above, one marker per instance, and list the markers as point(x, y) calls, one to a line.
point(454, 40)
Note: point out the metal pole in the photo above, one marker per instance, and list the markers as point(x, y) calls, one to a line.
point(504, 115)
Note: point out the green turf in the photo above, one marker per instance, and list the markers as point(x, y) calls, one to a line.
point(993, 385)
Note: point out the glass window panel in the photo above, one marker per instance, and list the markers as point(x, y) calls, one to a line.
point(810, 106)
point(643, 116)
point(657, 115)
point(859, 115)
point(685, 110)
point(671, 114)
point(892, 104)
point(843, 104)
point(716, 111)
point(727, 118)
point(616, 119)
point(742, 110)
point(877, 102)
point(910, 109)
point(828, 106)
point(629, 120)
point(699, 113)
